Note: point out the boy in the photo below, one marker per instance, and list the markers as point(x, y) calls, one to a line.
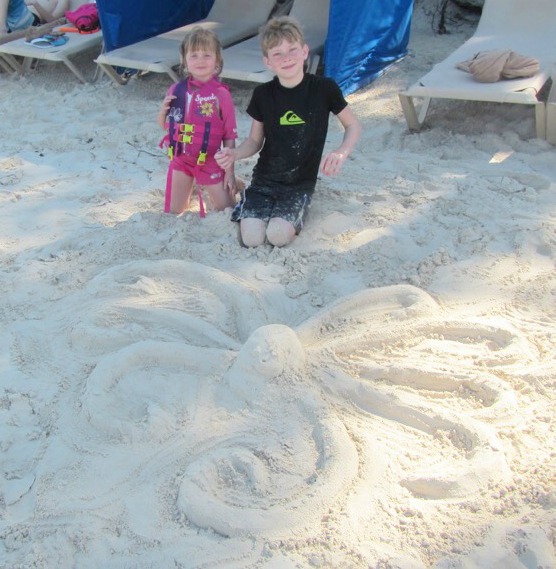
point(290, 122)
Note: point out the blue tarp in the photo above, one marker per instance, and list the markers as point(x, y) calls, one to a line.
point(364, 36)
point(125, 22)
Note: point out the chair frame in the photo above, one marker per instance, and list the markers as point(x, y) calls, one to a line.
point(17, 47)
point(77, 44)
point(229, 19)
point(502, 26)
point(244, 61)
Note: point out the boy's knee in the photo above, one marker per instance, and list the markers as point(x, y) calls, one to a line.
point(253, 232)
point(280, 232)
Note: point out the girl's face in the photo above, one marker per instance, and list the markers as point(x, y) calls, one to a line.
point(201, 64)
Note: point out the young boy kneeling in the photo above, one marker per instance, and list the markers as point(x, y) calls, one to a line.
point(289, 127)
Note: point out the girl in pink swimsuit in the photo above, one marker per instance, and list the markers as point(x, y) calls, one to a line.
point(198, 115)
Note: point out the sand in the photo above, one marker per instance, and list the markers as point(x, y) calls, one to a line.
point(379, 394)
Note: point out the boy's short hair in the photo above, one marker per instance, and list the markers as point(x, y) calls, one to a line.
point(276, 30)
point(200, 38)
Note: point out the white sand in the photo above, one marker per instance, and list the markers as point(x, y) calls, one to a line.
point(379, 394)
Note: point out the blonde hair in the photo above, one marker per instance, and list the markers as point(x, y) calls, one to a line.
point(276, 30)
point(200, 39)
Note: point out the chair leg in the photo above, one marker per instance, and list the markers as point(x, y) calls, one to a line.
point(551, 115)
point(540, 119)
point(6, 66)
point(27, 64)
point(414, 121)
point(111, 72)
point(172, 74)
point(74, 69)
point(13, 63)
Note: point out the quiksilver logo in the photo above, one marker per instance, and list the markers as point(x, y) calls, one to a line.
point(289, 117)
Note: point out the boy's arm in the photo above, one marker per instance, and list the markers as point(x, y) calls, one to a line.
point(332, 163)
point(251, 145)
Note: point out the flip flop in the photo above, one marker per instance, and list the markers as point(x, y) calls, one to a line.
point(48, 40)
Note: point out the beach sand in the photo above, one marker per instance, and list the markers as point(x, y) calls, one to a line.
point(379, 394)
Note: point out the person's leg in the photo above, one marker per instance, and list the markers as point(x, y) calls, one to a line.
point(280, 232)
point(287, 218)
point(253, 212)
point(253, 231)
point(219, 197)
point(15, 16)
point(3, 17)
point(181, 190)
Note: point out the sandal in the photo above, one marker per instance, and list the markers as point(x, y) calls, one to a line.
point(49, 40)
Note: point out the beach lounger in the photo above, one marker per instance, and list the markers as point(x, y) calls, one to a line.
point(18, 54)
point(244, 61)
point(523, 26)
point(232, 20)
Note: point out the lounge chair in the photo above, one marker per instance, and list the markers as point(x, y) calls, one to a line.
point(18, 55)
point(523, 26)
point(232, 20)
point(244, 61)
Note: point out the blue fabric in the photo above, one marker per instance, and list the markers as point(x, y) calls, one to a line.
point(364, 38)
point(124, 22)
point(18, 17)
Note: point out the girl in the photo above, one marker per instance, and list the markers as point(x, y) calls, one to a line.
point(199, 117)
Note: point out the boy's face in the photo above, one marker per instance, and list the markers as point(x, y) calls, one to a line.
point(286, 60)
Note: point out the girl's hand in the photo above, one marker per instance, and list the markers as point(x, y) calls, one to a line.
point(164, 109)
point(166, 103)
point(230, 183)
point(331, 164)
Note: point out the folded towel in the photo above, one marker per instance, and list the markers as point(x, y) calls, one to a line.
point(492, 66)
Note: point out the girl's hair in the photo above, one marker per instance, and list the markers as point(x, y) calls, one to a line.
point(200, 39)
point(276, 30)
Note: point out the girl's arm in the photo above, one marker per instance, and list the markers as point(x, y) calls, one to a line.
point(229, 174)
point(332, 163)
point(251, 145)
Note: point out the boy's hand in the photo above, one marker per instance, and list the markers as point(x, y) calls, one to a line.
point(225, 158)
point(331, 164)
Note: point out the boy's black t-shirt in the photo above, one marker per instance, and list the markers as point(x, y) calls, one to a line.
point(295, 126)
